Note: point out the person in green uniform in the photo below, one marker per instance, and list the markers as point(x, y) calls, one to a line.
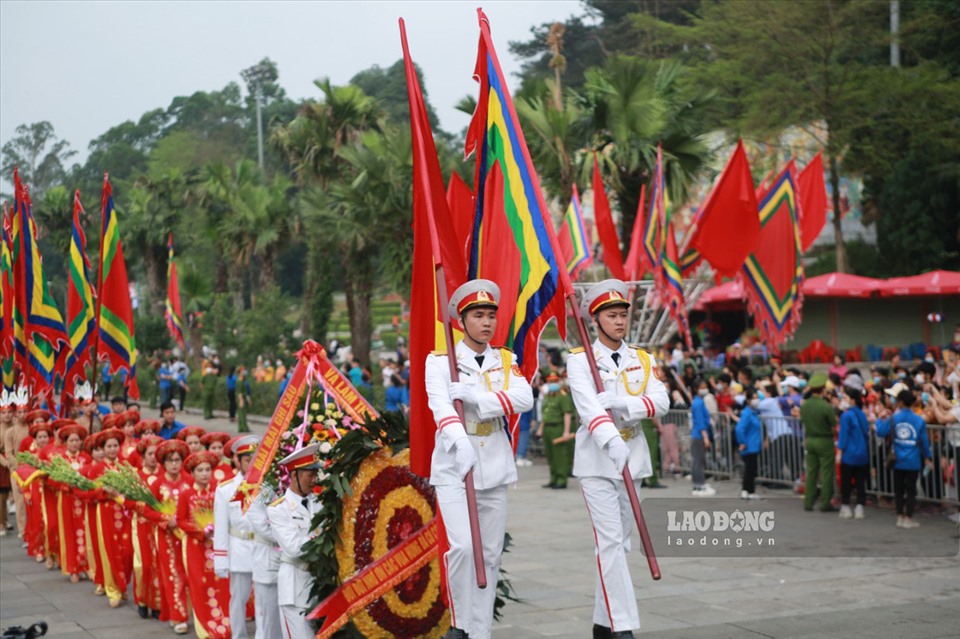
point(208, 382)
point(651, 430)
point(558, 414)
point(819, 422)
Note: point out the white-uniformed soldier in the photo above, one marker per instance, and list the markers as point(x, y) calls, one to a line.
point(632, 391)
point(491, 388)
point(266, 565)
point(290, 521)
point(233, 535)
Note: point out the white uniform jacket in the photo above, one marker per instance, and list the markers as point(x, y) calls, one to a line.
point(290, 523)
point(635, 380)
point(501, 390)
point(232, 532)
point(266, 554)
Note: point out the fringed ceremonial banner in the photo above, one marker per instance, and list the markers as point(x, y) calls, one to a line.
point(773, 273)
point(313, 365)
point(81, 313)
point(573, 239)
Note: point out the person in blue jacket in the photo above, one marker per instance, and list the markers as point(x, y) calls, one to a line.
point(749, 435)
point(912, 448)
point(700, 438)
point(852, 451)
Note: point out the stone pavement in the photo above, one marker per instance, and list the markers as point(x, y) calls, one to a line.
point(551, 566)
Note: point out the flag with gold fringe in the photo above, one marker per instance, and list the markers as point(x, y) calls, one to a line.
point(772, 274)
point(7, 344)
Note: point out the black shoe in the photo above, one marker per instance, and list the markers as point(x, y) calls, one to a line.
point(456, 633)
point(601, 632)
point(155, 614)
point(559, 486)
point(623, 634)
point(550, 485)
point(143, 612)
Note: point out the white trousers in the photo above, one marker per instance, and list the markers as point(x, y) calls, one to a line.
point(240, 583)
point(267, 611)
point(615, 603)
point(295, 624)
point(471, 609)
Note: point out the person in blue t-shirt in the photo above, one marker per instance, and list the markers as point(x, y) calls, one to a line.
point(912, 449)
point(397, 395)
point(700, 438)
point(232, 393)
point(852, 452)
point(169, 426)
point(749, 436)
point(166, 378)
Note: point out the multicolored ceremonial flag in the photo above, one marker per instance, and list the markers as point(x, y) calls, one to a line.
point(7, 347)
point(504, 170)
point(43, 329)
point(436, 250)
point(116, 341)
point(669, 284)
point(773, 272)
point(81, 313)
point(573, 239)
point(172, 312)
point(652, 230)
point(726, 227)
point(606, 229)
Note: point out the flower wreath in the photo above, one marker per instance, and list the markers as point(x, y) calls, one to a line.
point(372, 501)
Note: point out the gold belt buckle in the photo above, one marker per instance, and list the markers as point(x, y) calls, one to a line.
point(626, 434)
point(484, 429)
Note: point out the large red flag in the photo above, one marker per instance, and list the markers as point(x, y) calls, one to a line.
point(632, 266)
point(462, 206)
point(728, 226)
point(813, 201)
point(434, 245)
point(606, 229)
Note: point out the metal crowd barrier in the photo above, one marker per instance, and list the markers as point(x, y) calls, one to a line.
point(782, 461)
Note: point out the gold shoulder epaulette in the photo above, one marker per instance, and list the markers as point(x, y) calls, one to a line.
point(224, 481)
point(576, 349)
point(276, 502)
point(438, 353)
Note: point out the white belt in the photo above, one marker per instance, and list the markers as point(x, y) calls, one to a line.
point(246, 535)
point(299, 564)
point(484, 429)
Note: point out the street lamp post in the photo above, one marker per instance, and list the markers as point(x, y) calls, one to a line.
point(255, 76)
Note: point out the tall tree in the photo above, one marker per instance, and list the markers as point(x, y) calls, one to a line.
point(40, 155)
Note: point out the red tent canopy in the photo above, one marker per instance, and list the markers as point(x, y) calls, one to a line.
point(932, 283)
point(841, 285)
point(726, 293)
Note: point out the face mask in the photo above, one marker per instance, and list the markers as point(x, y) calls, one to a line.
point(803, 384)
point(703, 392)
point(876, 380)
point(925, 397)
point(721, 387)
point(901, 375)
point(553, 387)
point(761, 395)
point(754, 403)
point(844, 404)
point(918, 378)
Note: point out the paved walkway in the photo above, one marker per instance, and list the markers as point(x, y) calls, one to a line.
point(551, 567)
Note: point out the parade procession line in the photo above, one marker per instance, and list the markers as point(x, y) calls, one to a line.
point(551, 566)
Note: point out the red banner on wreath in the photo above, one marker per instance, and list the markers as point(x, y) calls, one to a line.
point(339, 387)
point(376, 579)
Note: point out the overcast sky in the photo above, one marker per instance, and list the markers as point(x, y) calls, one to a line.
point(88, 66)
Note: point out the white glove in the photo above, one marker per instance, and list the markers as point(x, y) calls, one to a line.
point(466, 457)
point(618, 452)
point(222, 574)
point(459, 390)
point(612, 401)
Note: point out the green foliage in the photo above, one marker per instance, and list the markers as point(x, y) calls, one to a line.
point(389, 87)
point(864, 259)
point(40, 155)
